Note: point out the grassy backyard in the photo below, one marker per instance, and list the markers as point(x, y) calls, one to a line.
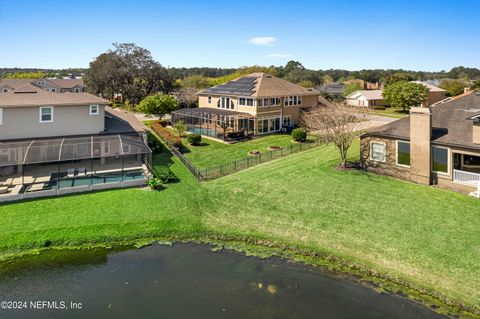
point(211, 153)
point(422, 235)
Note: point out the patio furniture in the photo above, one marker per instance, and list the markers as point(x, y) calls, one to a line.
point(3, 189)
point(71, 172)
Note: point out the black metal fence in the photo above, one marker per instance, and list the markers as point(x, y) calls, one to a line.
point(203, 174)
point(247, 162)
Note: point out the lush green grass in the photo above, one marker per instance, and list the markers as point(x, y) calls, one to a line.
point(211, 153)
point(424, 235)
point(390, 112)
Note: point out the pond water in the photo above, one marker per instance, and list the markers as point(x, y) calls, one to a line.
point(188, 281)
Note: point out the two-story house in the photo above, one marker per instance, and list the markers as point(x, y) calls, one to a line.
point(255, 104)
point(58, 143)
point(51, 85)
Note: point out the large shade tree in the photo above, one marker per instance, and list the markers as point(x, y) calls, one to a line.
point(405, 94)
point(128, 70)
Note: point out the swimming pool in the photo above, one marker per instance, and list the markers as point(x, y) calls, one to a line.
point(95, 179)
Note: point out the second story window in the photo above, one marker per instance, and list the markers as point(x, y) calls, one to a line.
point(46, 114)
point(275, 101)
point(293, 100)
point(94, 110)
point(262, 102)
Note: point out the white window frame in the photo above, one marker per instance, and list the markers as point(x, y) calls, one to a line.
point(289, 120)
point(98, 109)
point(76, 90)
point(396, 153)
point(261, 102)
point(278, 101)
point(128, 147)
point(1, 115)
point(40, 114)
point(448, 160)
point(5, 90)
point(384, 151)
point(106, 148)
point(53, 90)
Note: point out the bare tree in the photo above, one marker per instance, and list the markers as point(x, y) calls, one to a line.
point(339, 125)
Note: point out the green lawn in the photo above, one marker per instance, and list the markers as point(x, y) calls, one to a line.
point(211, 153)
point(423, 235)
point(390, 112)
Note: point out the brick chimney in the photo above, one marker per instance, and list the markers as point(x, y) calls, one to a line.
point(420, 150)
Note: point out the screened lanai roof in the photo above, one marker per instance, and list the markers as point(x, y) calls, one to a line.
point(202, 111)
point(36, 151)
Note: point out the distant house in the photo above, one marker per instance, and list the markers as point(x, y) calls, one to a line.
point(51, 85)
point(255, 104)
point(365, 98)
point(372, 98)
point(363, 84)
point(335, 90)
point(54, 143)
point(437, 145)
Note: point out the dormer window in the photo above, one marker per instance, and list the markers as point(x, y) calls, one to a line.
point(94, 110)
point(53, 90)
point(41, 82)
point(77, 90)
point(46, 114)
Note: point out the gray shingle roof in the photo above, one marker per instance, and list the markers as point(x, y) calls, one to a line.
point(451, 123)
point(25, 97)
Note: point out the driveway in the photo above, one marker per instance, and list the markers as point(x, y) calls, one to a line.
point(374, 121)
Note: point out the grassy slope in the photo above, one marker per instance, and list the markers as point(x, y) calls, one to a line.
point(390, 112)
point(212, 153)
point(426, 235)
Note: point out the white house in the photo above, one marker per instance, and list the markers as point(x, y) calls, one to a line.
point(365, 98)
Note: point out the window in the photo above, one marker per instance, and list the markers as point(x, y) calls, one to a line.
point(440, 159)
point(94, 110)
point(126, 148)
point(209, 100)
point(250, 102)
point(275, 101)
point(46, 114)
point(293, 100)
point(77, 90)
point(403, 153)
point(53, 90)
point(106, 148)
point(287, 120)
point(377, 152)
point(1, 116)
point(241, 101)
point(5, 90)
point(225, 103)
point(41, 82)
point(469, 160)
point(262, 102)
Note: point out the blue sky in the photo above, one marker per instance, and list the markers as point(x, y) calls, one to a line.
point(416, 35)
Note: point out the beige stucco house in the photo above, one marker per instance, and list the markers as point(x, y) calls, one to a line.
point(258, 103)
point(51, 85)
point(437, 145)
point(53, 143)
point(372, 98)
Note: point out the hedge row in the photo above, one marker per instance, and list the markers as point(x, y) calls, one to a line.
point(166, 135)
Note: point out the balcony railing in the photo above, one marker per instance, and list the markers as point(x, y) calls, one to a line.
point(467, 178)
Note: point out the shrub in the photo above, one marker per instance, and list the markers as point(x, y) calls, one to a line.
point(180, 127)
point(155, 183)
point(155, 145)
point(194, 139)
point(299, 135)
point(167, 177)
point(379, 107)
point(166, 135)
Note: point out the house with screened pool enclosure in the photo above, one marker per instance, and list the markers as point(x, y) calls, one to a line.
point(54, 143)
point(255, 104)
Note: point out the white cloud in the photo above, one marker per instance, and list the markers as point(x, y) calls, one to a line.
point(269, 41)
point(278, 55)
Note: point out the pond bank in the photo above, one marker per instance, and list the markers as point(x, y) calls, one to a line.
point(265, 249)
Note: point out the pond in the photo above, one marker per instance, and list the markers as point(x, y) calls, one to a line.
point(187, 281)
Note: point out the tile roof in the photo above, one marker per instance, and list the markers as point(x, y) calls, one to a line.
point(451, 123)
point(259, 85)
point(27, 97)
